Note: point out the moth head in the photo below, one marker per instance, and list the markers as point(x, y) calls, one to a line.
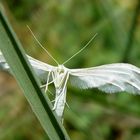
point(60, 69)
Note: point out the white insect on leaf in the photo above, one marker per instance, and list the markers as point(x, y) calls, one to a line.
point(109, 78)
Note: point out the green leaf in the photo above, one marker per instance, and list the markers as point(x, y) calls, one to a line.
point(22, 70)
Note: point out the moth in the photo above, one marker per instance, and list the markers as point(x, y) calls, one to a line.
point(109, 78)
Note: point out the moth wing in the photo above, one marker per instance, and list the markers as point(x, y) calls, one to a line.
point(109, 78)
point(42, 69)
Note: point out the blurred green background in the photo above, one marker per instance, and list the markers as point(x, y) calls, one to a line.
point(63, 27)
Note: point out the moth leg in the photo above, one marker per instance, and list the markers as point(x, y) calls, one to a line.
point(52, 101)
point(67, 105)
point(55, 103)
point(43, 86)
point(46, 87)
point(48, 83)
point(63, 90)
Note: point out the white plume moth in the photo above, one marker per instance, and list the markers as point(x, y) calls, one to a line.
point(109, 78)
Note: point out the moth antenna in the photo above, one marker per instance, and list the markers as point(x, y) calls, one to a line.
point(81, 49)
point(42, 45)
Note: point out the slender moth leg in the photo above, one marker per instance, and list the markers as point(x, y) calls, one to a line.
point(67, 105)
point(43, 86)
point(52, 101)
point(46, 87)
point(48, 83)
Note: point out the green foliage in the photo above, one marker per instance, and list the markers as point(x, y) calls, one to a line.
point(63, 27)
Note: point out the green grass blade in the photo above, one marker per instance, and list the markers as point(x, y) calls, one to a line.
point(16, 58)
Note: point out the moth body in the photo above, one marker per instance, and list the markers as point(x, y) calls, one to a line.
point(60, 77)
